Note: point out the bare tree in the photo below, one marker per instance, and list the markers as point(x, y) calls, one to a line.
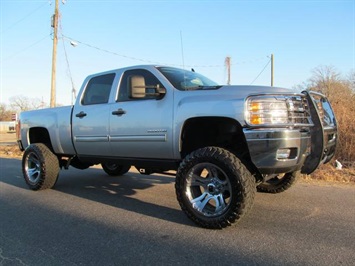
point(323, 79)
point(351, 79)
point(23, 103)
point(341, 94)
point(5, 114)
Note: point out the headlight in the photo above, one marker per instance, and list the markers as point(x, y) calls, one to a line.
point(276, 110)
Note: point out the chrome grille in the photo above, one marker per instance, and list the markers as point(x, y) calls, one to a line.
point(298, 110)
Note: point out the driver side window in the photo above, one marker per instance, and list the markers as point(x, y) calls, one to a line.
point(147, 84)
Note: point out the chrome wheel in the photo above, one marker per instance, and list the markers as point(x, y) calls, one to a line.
point(208, 189)
point(40, 167)
point(214, 188)
point(32, 167)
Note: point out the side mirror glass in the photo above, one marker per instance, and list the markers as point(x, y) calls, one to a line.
point(137, 87)
point(140, 90)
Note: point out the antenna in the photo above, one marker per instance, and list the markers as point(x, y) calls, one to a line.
point(182, 51)
point(272, 70)
point(227, 63)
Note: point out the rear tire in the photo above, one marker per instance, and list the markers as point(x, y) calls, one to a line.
point(279, 183)
point(214, 188)
point(114, 169)
point(40, 167)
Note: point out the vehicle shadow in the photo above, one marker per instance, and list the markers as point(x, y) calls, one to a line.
point(150, 195)
point(158, 199)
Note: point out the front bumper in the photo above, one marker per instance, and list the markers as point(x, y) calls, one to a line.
point(265, 146)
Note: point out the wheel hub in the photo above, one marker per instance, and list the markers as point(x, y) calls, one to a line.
point(215, 187)
point(208, 189)
point(211, 188)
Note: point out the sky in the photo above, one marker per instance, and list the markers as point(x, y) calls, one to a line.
point(199, 34)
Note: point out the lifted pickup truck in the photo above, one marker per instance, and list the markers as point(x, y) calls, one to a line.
point(224, 142)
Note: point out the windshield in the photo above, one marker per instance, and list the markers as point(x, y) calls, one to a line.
point(187, 80)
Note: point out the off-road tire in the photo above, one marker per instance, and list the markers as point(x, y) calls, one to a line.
point(114, 169)
point(40, 167)
point(279, 183)
point(223, 184)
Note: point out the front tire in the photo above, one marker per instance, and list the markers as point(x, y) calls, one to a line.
point(214, 188)
point(114, 169)
point(40, 167)
point(279, 183)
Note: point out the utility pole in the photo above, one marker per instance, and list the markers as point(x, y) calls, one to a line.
point(227, 63)
point(55, 18)
point(272, 70)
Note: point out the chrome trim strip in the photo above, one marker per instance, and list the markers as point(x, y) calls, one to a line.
point(138, 138)
point(91, 138)
point(263, 139)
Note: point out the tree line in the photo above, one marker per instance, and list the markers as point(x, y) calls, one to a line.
point(19, 104)
point(339, 90)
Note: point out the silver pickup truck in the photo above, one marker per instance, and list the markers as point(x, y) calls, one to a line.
point(224, 142)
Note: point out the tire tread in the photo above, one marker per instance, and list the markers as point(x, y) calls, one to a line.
point(49, 166)
point(245, 184)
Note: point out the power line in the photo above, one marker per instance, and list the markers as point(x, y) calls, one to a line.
point(22, 19)
point(73, 91)
point(28, 47)
point(155, 62)
point(107, 51)
point(268, 62)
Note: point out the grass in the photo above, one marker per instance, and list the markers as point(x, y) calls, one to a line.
point(327, 172)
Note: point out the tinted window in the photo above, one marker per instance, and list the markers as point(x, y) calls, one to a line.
point(150, 81)
point(98, 89)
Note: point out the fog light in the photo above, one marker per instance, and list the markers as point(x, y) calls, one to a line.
point(283, 154)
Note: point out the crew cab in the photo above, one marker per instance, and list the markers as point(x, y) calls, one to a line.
point(223, 143)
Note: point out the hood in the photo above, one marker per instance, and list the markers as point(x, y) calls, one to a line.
point(248, 90)
point(229, 93)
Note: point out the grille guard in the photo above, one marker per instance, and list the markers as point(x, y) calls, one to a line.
point(323, 134)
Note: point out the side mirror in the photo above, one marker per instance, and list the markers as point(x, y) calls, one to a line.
point(137, 86)
point(140, 90)
point(160, 92)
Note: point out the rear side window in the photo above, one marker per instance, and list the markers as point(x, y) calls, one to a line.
point(98, 89)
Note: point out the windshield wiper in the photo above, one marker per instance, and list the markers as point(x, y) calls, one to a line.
point(202, 87)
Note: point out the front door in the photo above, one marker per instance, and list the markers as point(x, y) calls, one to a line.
point(141, 125)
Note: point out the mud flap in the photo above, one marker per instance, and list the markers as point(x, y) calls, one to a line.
point(323, 133)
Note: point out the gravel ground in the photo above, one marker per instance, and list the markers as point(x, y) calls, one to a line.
point(8, 145)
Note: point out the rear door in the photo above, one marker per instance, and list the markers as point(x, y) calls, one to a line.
point(91, 117)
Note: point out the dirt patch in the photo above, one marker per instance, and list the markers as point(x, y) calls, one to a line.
point(10, 151)
point(329, 173)
point(8, 145)
point(9, 136)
